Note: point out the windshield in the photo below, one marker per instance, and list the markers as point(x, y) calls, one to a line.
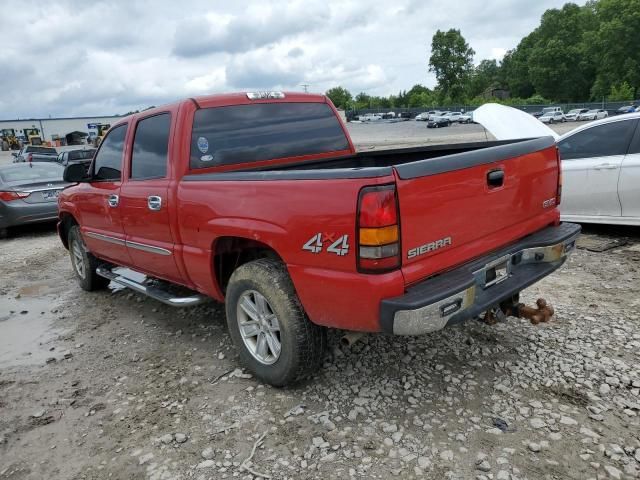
point(31, 171)
point(573, 111)
point(548, 110)
point(592, 111)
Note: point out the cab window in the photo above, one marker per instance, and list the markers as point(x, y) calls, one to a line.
point(108, 161)
point(151, 147)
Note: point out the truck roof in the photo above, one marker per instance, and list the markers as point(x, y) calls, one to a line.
point(225, 99)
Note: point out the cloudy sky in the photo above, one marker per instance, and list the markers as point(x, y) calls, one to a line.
point(79, 57)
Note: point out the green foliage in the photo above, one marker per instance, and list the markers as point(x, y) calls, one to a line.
point(621, 92)
point(452, 62)
point(340, 97)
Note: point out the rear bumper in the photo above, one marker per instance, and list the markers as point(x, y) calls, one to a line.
point(465, 292)
point(21, 213)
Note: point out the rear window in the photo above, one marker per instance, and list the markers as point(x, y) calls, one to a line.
point(81, 154)
point(31, 171)
point(251, 133)
point(44, 150)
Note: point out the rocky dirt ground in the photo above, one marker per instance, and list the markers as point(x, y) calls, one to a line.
point(111, 385)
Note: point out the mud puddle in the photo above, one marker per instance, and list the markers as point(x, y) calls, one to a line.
point(26, 329)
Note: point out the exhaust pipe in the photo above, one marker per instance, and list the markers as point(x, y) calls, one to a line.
point(350, 338)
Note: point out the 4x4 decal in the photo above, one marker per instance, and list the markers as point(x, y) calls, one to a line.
point(339, 246)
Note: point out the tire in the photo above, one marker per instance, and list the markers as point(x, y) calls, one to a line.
point(302, 344)
point(83, 263)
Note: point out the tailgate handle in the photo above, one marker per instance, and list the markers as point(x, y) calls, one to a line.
point(495, 178)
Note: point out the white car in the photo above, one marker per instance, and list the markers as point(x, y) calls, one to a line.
point(573, 115)
point(370, 117)
point(422, 117)
point(453, 116)
point(553, 117)
point(595, 114)
point(466, 118)
point(601, 171)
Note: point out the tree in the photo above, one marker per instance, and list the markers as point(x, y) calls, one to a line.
point(452, 61)
point(340, 97)
point(363, 100)
point(621, 92)
point(614, 45)
point(485, 75)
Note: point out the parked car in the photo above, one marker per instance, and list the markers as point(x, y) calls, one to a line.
point(573, 115)
point(626, 109)
point(466, 118)
point(29, 193)
point(30, 153)
point(595, 114)
point(552, 117)
point(399, 242)
point(422, 117)
point(370, 117)
point(453, 116)
point(601, 171)
point(438, 121)
point(434, 113)
point(76, 156)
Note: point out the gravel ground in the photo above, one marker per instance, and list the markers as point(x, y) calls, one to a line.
point(115, 385)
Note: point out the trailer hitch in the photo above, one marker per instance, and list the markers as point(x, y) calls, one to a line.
point(541, 314)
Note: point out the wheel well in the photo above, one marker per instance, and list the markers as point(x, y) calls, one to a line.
point(231, 252)
point(66, 222)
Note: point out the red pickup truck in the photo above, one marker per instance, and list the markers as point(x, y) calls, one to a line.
point(260, 200)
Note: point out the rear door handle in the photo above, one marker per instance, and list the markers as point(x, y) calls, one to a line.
point(154, 203)
point(113, 200)
point(495, 178)
point(606, 166)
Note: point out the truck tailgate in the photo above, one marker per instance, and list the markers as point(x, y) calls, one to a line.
point(458, 207)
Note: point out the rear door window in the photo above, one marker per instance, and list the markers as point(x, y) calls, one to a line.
point(266, 131)
point(151, 147)
point(600, 141)
point(108, 161)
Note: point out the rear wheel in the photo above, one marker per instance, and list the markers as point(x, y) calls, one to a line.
point(84, 264)
point(274, 337)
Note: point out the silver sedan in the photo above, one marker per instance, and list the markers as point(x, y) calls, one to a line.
point(29, 193)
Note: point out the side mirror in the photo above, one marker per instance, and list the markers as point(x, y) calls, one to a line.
point(75, 173)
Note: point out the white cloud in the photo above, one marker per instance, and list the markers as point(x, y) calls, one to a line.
point(72, 57)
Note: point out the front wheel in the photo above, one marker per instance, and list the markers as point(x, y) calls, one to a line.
point(84, 263)
point(274, 337)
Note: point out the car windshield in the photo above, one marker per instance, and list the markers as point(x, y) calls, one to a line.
point(44, 150)
point(592, 111)
point(574, 111)
point(31, 171)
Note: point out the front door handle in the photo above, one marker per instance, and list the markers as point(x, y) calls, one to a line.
point(606, 166)
point(113, 200)
point(154, 203)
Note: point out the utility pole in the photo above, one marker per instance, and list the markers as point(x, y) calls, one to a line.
point(305, 86)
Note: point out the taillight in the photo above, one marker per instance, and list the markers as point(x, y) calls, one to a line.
point(378, 229)
point(559, 189)
point(10, 196)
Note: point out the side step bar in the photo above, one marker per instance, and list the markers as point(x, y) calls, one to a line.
point(153, 291)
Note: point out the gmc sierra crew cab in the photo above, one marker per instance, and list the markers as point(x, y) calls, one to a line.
point(259, 200)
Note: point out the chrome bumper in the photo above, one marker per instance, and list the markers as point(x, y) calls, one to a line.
point(473, 288)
